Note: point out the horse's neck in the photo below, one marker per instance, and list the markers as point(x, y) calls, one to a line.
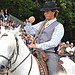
point(23, 52)
point(25, 67)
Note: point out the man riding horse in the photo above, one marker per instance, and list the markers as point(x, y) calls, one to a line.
point(50, 35)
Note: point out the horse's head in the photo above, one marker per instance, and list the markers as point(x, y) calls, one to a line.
point(7, 47)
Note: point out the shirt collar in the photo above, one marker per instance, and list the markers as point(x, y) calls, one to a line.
point(51, 21)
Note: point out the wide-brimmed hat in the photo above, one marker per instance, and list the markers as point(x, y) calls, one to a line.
point(49, 6)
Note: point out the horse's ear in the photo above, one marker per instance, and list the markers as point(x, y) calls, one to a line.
point(16, 31)
point(2, 30)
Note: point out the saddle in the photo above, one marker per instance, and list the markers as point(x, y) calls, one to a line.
point(42, 58)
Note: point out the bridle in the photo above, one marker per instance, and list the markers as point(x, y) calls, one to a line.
point(9, 60)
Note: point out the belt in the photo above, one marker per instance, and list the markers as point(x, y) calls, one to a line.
point(49, 52)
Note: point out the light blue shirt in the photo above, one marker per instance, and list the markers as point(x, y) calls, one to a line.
point(56, 36)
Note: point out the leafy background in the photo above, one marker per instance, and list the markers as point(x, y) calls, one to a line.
point(23, 9)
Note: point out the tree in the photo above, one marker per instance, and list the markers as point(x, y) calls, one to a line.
point(4, 4)
point(23, 9)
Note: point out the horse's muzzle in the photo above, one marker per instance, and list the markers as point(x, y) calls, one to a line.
point(2, 68)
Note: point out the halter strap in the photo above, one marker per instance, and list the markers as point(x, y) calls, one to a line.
point(4, 57)
point(17, 50)
point(4, 35)
point(20, 63)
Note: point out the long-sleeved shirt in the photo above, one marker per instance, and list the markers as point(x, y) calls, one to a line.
point(56, 36)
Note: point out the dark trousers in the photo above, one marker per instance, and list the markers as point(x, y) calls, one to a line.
point(52, 63)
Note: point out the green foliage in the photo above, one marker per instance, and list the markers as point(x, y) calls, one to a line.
point(4, 4)
point(23, 9)
point(63, 5)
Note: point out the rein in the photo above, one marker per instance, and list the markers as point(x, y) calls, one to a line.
point(20, 63)
point(17, 50)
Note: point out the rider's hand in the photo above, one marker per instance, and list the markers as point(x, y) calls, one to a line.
point(31, 19)
point(32, 46)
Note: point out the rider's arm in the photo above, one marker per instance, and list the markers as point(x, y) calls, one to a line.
point(32, 29)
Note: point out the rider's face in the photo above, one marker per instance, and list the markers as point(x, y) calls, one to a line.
point(49, 15)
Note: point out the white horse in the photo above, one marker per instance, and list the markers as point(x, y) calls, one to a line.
point(22, 61)
point(68, 65)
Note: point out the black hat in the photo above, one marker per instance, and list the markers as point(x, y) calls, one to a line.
point(49, 6)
